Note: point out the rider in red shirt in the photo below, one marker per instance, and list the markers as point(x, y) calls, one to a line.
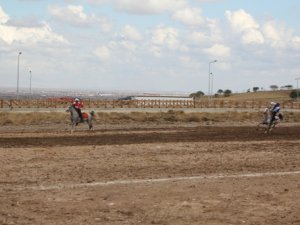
point(77, 104)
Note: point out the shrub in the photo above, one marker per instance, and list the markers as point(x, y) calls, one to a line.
point(294, 94)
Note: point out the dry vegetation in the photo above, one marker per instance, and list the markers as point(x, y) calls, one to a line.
point(172, 116)
point(279, 96)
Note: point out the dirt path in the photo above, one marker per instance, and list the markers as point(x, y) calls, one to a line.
point(136, 136)
point(208, 175)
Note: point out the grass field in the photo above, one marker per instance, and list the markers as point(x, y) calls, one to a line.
point(268, 96)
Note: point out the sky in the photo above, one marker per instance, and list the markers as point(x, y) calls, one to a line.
point(149, 45)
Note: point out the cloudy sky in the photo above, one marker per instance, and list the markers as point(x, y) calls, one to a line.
point(150, 45)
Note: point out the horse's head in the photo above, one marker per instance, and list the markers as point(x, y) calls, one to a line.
point(70, 108)
point(92, 113)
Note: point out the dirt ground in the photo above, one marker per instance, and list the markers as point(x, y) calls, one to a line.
point(159, 174)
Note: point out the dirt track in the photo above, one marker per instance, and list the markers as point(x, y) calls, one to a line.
point(137, 136)
point(173, 175)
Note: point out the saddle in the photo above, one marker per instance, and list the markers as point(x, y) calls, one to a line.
point(85, 115)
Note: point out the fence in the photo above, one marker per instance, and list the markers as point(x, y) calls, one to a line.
point(171, 104)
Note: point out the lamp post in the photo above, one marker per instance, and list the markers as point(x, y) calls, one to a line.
point(297, 90)
point(30, 81)
point(210, 78)
point(18, 74)
point(212, 84)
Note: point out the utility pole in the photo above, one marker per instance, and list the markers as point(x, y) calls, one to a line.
point(18, 74)
point(297, 90)
point(210, 79)
point(30, 82)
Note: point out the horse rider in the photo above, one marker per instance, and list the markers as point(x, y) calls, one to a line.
point(77, 104)
point(275, 109)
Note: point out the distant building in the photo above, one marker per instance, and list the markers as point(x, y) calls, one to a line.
point(163, 98)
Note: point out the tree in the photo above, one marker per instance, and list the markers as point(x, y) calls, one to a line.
point(255, 89)
point(294, 94)
point(274, 87)
point(220, 91)
point(289, 86)
point(197, 94)
point(227, 93)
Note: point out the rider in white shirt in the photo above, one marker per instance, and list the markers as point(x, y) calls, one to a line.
point(275, 109)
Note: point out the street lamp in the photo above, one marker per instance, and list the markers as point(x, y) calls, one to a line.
point(297, 90)
point(30, 81)
point(18, 74)
point(210, 78)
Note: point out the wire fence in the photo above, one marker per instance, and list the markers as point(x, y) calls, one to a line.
point(168, 104)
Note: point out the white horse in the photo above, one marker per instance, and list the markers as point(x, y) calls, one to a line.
point(75, 119)
point(266, 123)
point(272, 124)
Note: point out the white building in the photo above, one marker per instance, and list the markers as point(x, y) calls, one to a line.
point(163, 98)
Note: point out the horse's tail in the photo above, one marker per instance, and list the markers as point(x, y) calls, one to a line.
point(90, 119)
point(280, 116)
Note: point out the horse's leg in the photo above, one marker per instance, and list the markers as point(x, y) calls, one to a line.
point(90, 122)
point(270, 127)
point(262, 126)
point(72, 127)
point(73, 124)
point(259, 125)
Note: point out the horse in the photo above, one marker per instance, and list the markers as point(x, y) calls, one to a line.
point(75, 119)
point(269, 126)
point(276, 121)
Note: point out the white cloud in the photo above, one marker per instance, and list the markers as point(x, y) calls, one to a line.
point(218, 51)
point(155, 51)
point(252, 36)
point(189, 16)
point(129, 46)
point(270, 33)
point(166, 36)
point(103, 53)
point(30, 35)
point(74, 15)
point(296, 42)
point(276, 35)
point(149, 6)
point(131, 33)
point(243, 23)
point(198, 38)
point(3, 16)
point(98, 1)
